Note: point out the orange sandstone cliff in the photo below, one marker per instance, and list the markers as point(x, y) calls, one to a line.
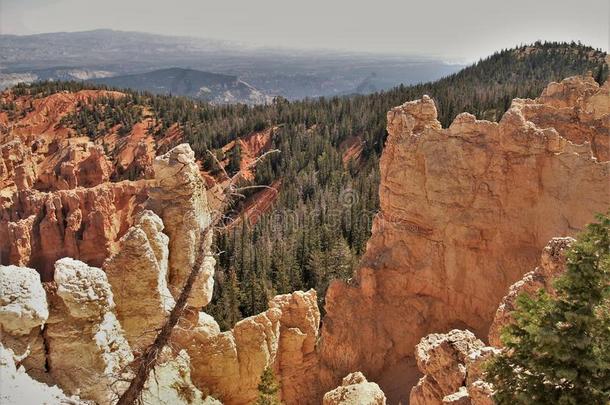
point(453, 362)
point(465, 212)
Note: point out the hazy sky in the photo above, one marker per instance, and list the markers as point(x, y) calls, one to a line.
point(453, 29)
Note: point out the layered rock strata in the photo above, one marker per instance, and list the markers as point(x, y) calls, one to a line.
point(38, 228)
point(464, 213)
point(56, 198)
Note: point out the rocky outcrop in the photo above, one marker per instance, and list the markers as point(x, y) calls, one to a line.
point(88, 353)
point(17, 167)
point(37, 228)
point(138, 276)
point(170, 383)
point(180, 200)
point(23, 303)
point(82, 349)
point(82, 164)
point(297, 358)
point(229, 364)
point(355, 390)
point(552, 264)
point(150, 268)
point(452, 364)
point(56, 199)
point(59, 156)
point(464, 212)
point(23, 312)
point(578, 109)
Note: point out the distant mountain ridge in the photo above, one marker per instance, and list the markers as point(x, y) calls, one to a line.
point(291, 73)
point(212, 87)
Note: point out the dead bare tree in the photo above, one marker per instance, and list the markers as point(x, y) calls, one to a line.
point(149, 358)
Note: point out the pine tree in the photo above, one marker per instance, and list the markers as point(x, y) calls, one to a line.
point(558, 349)
point(235, 158)
point(268, 389)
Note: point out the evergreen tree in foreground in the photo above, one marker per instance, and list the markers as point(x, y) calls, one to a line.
point(268, 389)
point(558, 349)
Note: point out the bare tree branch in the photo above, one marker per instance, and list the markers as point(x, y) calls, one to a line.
point(149, 358)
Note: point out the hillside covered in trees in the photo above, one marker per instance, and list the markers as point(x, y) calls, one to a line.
point(327, 166)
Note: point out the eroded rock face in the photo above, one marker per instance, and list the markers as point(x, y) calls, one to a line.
point(82, 349)
point(23, 302)
point(17, 387)
point(442, 357)
point(578, 109)
point(464, 213)
point(297, 358)
point(180, 200)
point(56, 198)
point(39, 150)
point(229, 364)
point(23, 312)
point(452, 365)
point(355, 390)
point(552, 264)
point(138, 276)
point(170, 383)
point(37, 228)
point(88, 353)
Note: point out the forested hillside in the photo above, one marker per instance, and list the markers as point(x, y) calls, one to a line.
point(327, 167)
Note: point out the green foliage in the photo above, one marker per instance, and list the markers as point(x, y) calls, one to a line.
point(98, 116)
point(319, 224)
point(268, 389)
point(234, 159)
point(558, 349)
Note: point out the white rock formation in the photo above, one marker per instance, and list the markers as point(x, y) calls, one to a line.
point(18, 388)
point(180, 200)
point(88, 353)
point(23, 311)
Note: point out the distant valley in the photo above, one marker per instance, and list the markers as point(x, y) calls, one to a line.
point(140, 60)
point(211, 87)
